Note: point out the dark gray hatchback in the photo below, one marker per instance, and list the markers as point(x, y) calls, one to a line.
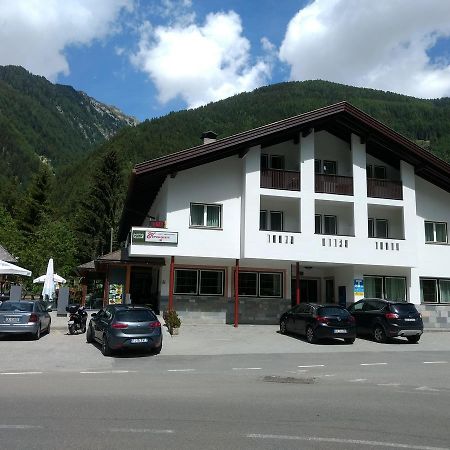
point(119, 327)
point(384, 319)
point(319, 322)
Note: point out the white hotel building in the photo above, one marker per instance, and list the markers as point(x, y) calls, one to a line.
point(327, 206)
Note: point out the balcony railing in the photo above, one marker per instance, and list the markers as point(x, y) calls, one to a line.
point(379, 188)
point(280, 179)
point(334, 184)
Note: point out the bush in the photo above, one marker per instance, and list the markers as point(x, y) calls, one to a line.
point(172, 320)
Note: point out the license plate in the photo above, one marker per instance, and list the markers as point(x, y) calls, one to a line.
point(410, 320)
point(139, 341)
point(12, 319)
point(340, 331)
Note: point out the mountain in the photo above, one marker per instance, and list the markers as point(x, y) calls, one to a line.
point(51, 123)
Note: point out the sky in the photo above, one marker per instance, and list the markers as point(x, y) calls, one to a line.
point(151, 57)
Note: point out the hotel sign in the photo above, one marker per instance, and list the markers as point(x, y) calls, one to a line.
point(153, 237)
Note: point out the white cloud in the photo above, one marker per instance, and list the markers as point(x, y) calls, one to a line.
point(34, 33)
point(380, 44)
point(199, 63)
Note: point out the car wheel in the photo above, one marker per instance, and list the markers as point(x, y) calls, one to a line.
point(413, 339)
point(90, 335)
point(71, 329)
point(349, 340)
point(157, 350)
point(106, 349)
point(37, 335)
point(310, 336)
point(283, 328)
point(378, 334)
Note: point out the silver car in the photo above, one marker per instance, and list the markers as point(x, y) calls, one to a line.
point(24, 317)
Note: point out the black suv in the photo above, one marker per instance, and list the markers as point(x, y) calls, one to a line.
point(319, 322)
point(384, 319)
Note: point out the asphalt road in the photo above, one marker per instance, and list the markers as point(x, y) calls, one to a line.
point(60, 393)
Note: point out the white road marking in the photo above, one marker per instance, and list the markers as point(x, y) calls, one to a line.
point(247, 368)
point(389, 384)
point(358, 380)
point(313, 365)
point(343, 441)
point(20, 373)
point(435, 362)
point(107, 371)
point(426, 388)
point(374, 364)
point(19, 427)
point(140, 430)
point(180, 370)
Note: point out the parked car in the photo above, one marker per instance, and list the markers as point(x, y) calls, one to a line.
point(384, 319)
point(125, 327)
point(319, 322)
point(25, 317)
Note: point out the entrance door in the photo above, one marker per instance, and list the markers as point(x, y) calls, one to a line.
point(141, 288)
point(309, 291)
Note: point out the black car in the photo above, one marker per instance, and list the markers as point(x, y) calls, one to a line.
point(384, 319)
point(125, 327)
point(319, 322)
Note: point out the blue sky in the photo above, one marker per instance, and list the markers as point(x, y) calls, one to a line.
point(150, 57)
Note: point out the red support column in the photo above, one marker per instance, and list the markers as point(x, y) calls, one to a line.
point(171, 282)
point(297, 283)
point(236, 294)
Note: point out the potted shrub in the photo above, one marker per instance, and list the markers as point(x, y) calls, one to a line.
point(172, 321)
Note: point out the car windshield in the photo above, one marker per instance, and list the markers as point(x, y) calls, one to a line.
point(332, 311)
point(405, 308)
point(136, 315)
point(16, 306)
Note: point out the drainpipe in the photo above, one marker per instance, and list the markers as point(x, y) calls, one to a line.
point(297, 283)
point(171, 282)
point(236, 294)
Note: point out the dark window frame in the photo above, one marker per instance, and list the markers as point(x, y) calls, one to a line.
point(437, 283)
point(198, 271)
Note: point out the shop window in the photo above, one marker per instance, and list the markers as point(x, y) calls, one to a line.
point(434, 290)
point(389, 288)
point(211, 282)
point(248, 284)
point(270, 284)
point(199, 282)
point(260, 284)
point(186, 281)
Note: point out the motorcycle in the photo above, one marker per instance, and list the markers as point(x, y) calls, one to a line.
point(77, 318)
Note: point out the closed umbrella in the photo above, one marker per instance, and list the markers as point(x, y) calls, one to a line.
point(49, 280)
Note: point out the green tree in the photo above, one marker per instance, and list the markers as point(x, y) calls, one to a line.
point(98, 211)
point(10, 236)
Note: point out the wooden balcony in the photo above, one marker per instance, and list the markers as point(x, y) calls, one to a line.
point(334, 184)
point(379, 188)
point(280, 179)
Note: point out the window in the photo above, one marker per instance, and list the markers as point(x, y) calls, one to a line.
point(436, 232)
point(260, 284)
point(329, 167)
point(271, 220)
point(199, 282)
point(434, 290)
point(186, 281)
point(208, 216)
point(329, 224)
point(270, 284)
point(389, 288)
point(272, 162)
point(318, 224)
point(378, 228)
point(378, 172)
point(325, 167)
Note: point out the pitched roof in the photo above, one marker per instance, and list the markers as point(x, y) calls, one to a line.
point(340, 119)
point(6, 256)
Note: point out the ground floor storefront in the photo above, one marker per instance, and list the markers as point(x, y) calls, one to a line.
point(214, 290)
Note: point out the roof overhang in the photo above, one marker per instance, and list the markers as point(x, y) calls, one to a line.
point(341, 119)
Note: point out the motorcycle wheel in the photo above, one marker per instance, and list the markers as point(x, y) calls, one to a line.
point(71, 329)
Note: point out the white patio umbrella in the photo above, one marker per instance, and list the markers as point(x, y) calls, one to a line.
point(49, 280)
point(7, 268)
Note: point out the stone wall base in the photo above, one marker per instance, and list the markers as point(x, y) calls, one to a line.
point(435, 316)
